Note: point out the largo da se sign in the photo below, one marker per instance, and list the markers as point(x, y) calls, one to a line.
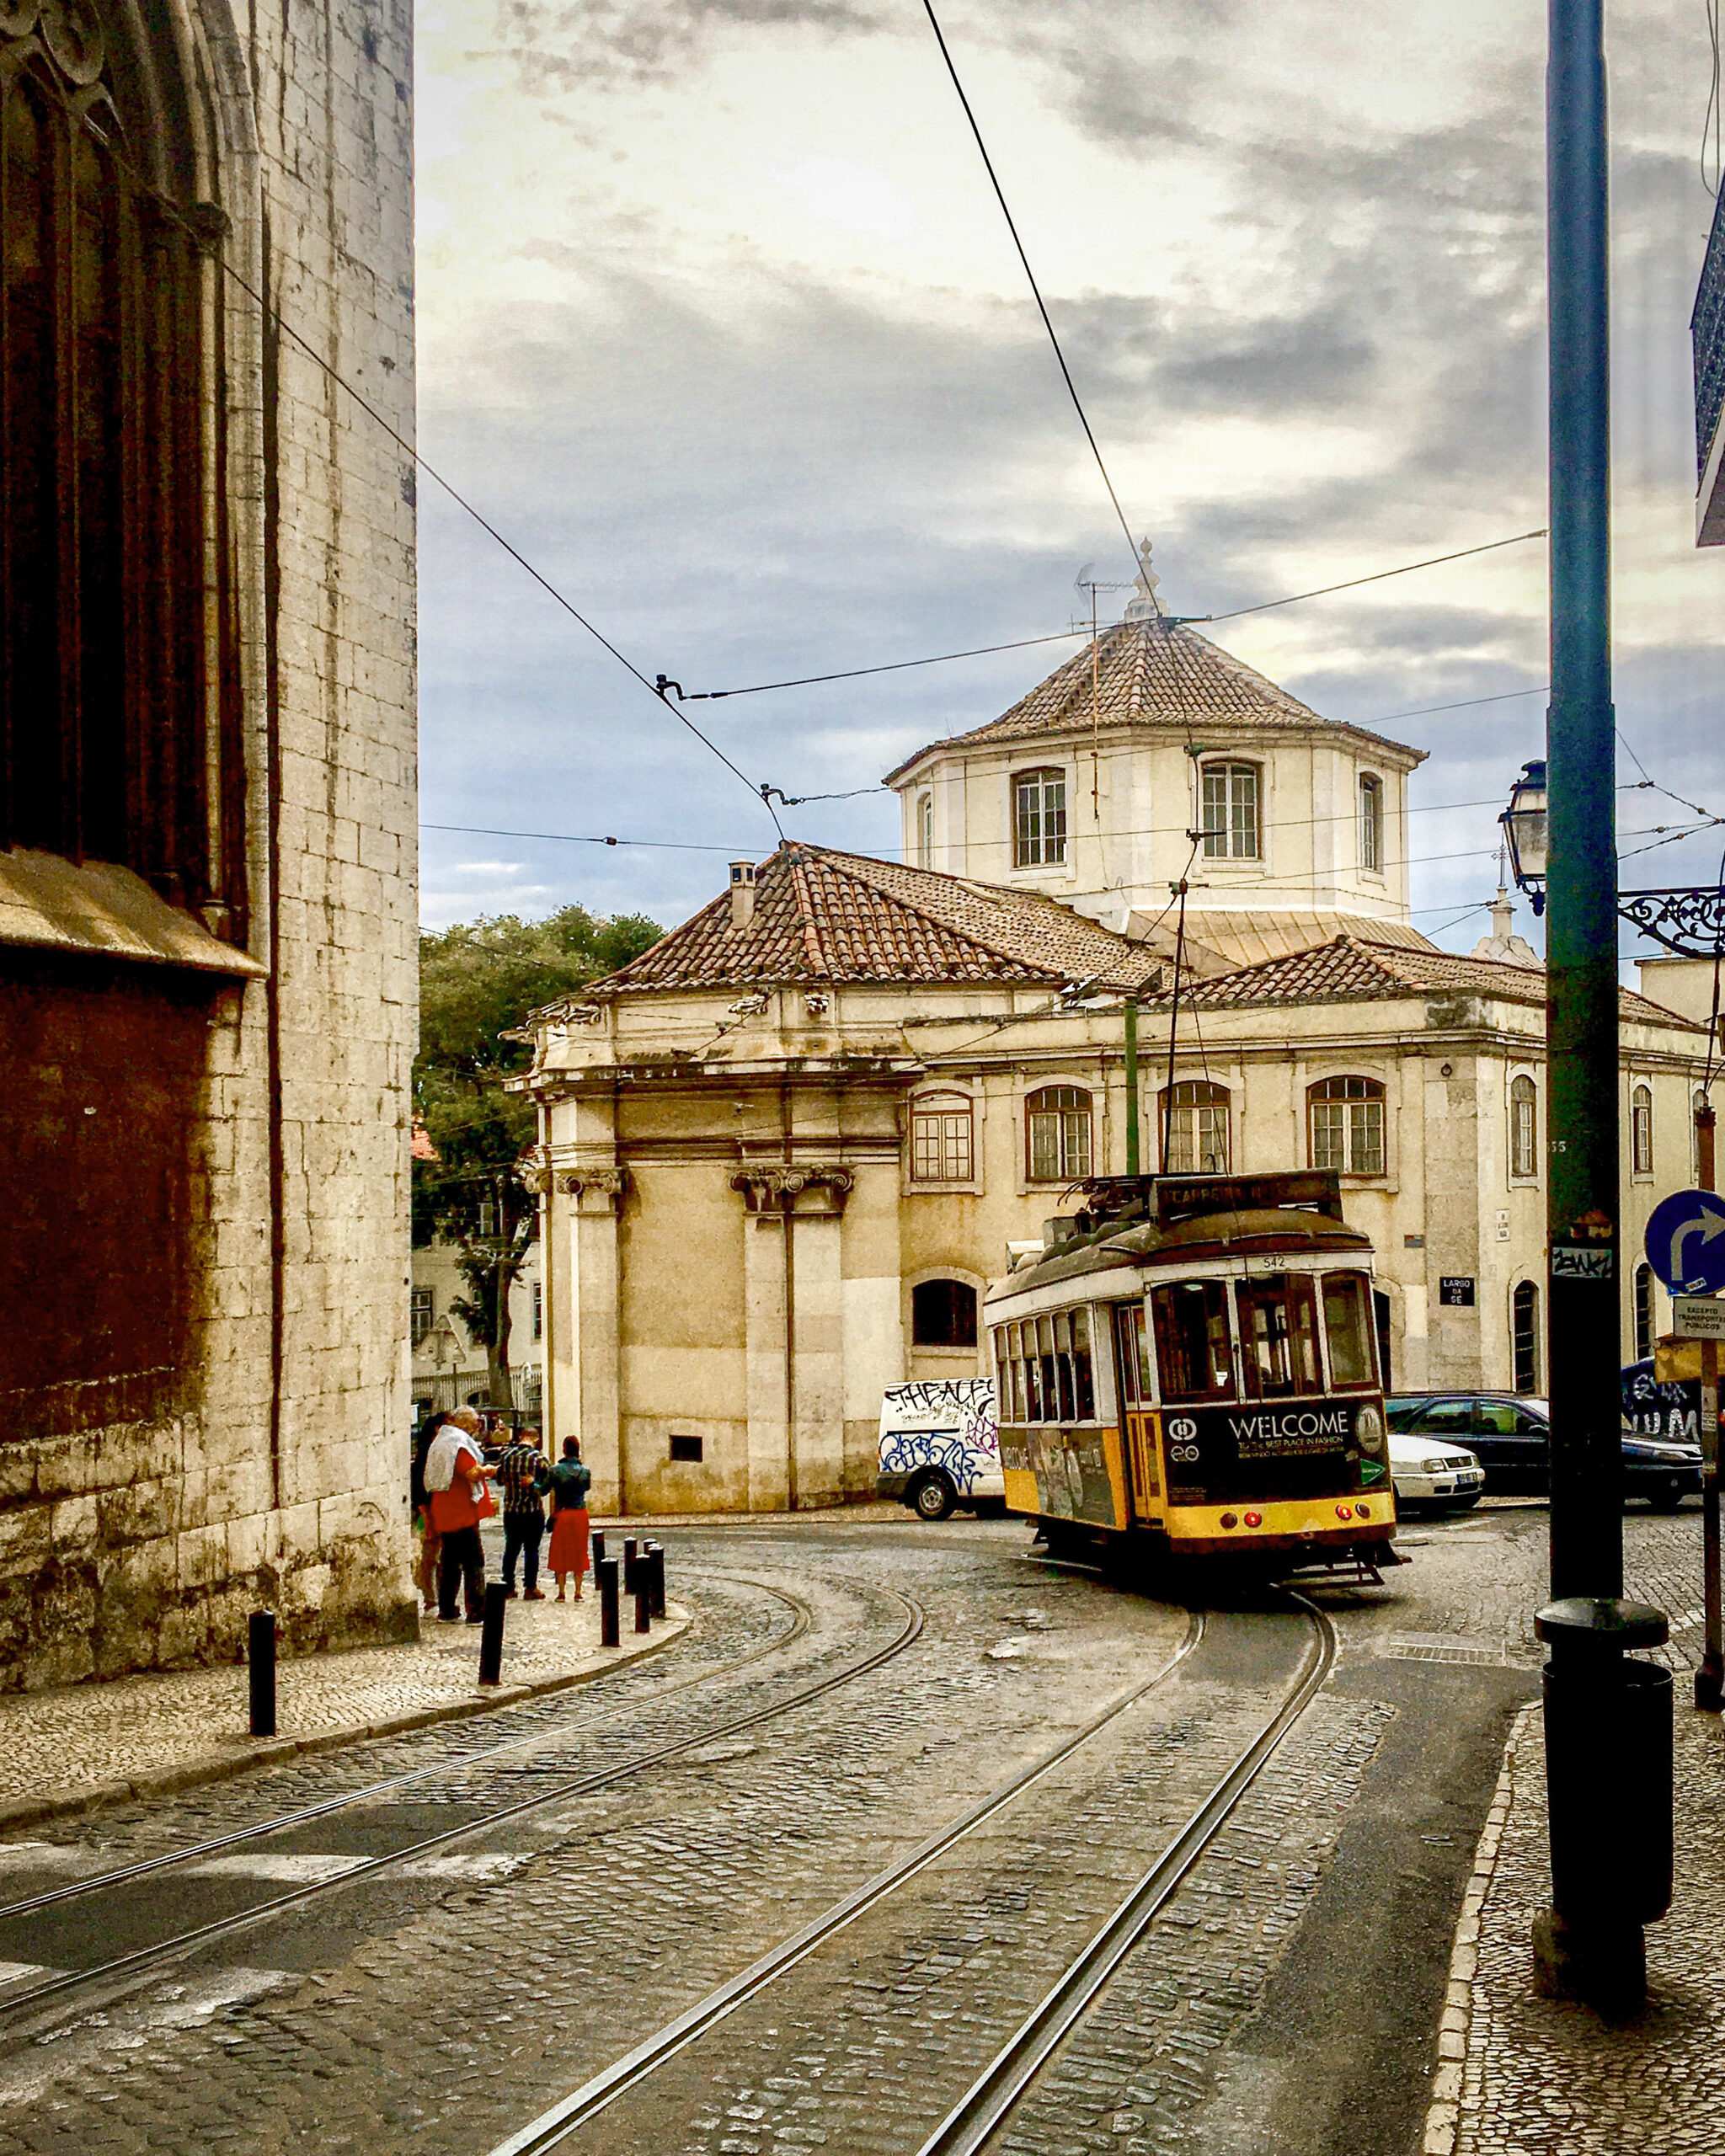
point(1685, 1242)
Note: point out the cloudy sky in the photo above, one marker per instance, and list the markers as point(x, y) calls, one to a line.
point(719, 320)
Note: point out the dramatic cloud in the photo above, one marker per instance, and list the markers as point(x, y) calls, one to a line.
point(719, 322)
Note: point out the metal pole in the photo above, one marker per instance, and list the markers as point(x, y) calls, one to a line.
point(1167, 1114)
point(658, 1579)
point(610, 1627)
point(643, 1597)
point(1132, 1085)
point(1589, 1944)
point(597, 1541)
point(1710, 1677)
point(260, 1657)
point(491, 1634)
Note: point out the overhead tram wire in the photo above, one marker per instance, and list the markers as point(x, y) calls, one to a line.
point(1035, 288)
point(273, 313)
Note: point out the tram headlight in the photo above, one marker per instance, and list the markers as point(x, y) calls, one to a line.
point(1368, 1429)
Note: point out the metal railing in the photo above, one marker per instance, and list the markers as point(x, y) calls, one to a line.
point(1707, 329)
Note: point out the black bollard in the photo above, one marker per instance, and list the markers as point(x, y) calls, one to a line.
point(597, 1539)
point(643, 1596)
point(491, 1634)
point(610, 1629)
point(260, 1655)
point(658, 1579)
point(631, 1552)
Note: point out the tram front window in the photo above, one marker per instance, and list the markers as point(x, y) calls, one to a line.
point(1192, 1340)
point(1347, 1329)
point(1278, 1329)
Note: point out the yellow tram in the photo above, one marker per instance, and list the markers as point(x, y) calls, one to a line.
point(1192, 1366)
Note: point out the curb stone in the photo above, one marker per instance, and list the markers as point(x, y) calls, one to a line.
point(21, 1811)
point(1442, 2118)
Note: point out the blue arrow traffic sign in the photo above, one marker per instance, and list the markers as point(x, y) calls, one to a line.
point(1685, 1242)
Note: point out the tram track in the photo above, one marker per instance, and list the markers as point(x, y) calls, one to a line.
point(972, 2122)
point(128, 1970)
point(372, 1792)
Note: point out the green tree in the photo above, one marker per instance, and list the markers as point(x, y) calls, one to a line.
point(478, 982)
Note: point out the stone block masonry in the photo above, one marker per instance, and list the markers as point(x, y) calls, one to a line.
point(257, 1454)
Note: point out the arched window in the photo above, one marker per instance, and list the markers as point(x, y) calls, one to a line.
point(942, 1313)
point(109, 748)
point(1194, 1118)
point(1039, 819)
point(1231, 812)
point(1347, 1125)
point(1524, 1129)
point(1524, 1335)
point(925, 831)
point(1371, 823)
point(1643, 1312)
point(1641, 1130)
point(941, 1150)
point(1057, 1134)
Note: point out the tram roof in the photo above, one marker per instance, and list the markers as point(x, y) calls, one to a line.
point(1253, 1232)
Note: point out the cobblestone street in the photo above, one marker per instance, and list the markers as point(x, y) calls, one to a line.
point(460, 1926)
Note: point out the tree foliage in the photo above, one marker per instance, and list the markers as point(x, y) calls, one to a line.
point(477, 983)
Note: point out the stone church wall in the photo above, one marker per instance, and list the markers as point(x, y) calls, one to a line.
point(219, 1418)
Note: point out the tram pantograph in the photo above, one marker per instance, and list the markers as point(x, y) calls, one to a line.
point(1192, 1368)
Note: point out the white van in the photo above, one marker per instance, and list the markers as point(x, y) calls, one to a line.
point(940, 1448)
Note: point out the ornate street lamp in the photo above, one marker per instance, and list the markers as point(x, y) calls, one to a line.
point(1692, 922)
point(1527, 833)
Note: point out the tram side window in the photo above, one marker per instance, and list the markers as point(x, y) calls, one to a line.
point(1278, 1329)
point(1045, 1369)
point(1192, 1343)
point(1348, 1329)
point(1135, 1355)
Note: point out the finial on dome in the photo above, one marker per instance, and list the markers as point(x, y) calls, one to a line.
point(1147, 606)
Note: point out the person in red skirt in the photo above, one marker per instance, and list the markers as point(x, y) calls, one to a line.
point(570, 1481)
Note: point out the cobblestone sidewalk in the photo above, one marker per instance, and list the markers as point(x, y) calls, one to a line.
point(1522, 2076)
point(80, 1745)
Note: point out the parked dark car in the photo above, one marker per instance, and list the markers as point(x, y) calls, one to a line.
point(1511, 1435)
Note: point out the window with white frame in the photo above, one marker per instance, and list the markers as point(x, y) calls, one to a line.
point(1524, 1129)
point(1195, 1128)
point(925, 831)
point(1346, 1120)
point(1641, 1129)
point(538, 1309)
point(1230, 804)
point(422, 1312)
point(1039, 819)
point(941, 1149)
point(1057, 1133)
point(1371, 823)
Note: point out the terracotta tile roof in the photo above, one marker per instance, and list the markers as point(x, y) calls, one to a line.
point(1350, 970)
point(824, 917)
point(1220, 941)
point(1151, 671)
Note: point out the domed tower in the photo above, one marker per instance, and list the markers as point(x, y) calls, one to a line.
point(1154, 753)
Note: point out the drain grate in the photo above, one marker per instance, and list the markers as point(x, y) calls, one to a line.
point(1411, 1646)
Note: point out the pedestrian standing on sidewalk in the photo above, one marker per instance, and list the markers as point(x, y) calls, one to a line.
point(461, 1497)
point(570, 1481)
point(525, 1478)
point(428, 1536)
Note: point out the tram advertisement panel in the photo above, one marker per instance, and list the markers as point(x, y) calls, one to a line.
point(1071, 1472)
point(1308, 1449)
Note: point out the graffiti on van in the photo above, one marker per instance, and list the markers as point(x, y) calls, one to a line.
point(944, 1422)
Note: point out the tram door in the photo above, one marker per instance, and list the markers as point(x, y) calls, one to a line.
point(1132, 1361)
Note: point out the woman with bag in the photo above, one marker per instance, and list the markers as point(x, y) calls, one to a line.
point(461, 1497)
point(570, 1481)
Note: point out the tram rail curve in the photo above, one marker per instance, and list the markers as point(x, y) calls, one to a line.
point(117, 1875)
point(572, 2112)
point(139, 1965)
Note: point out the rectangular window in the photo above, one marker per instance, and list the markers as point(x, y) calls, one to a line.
point(1346, 1327)
point(1134, 1337)
point(1524, 1137)
point(1641, 1130)
point(1059, 1119)
point(1192, 1341)
point(1278, 1336)
point(940, 1141)
point(1371, 823)
point(1230, 820)
point(688, 1449)
point(1039, 819)
point(538, 1309)
point(422, 1312)
point(925, 831)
